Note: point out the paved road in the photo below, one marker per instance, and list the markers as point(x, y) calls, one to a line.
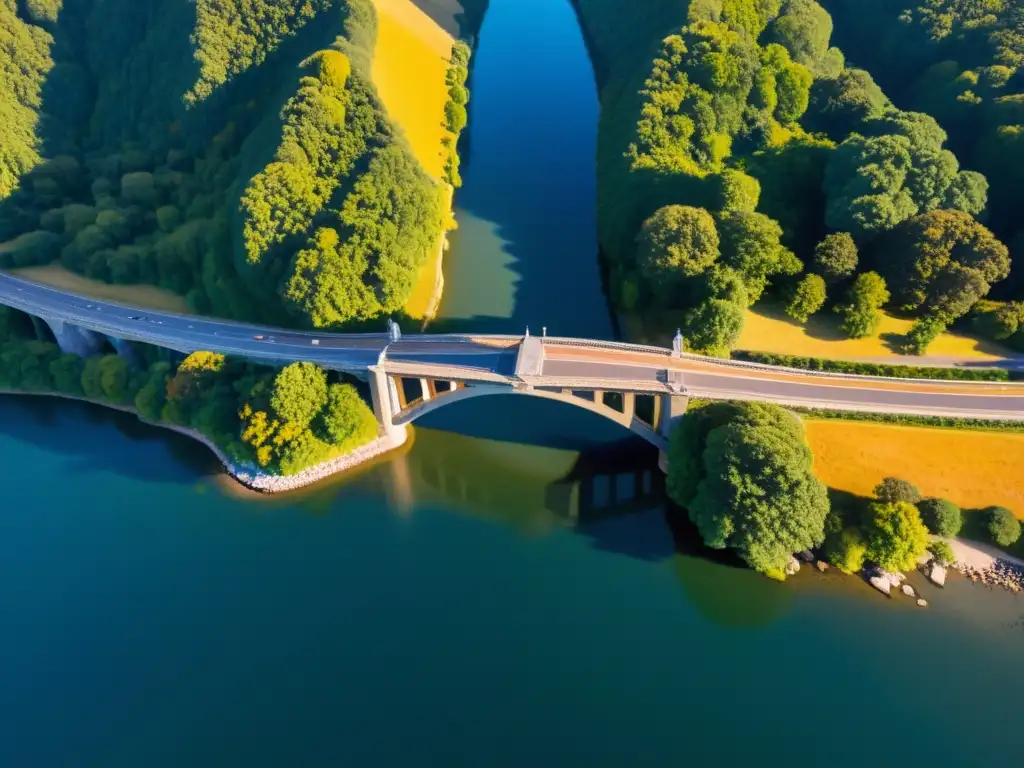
point(582, 363)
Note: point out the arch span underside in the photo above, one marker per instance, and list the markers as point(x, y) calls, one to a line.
point(433, 400)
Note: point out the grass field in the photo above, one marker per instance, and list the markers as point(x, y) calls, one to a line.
point(769, 330)
point(410, 62)
point(409, 66)
point(147, 296)
point(971, 469)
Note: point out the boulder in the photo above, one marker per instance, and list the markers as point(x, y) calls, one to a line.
point(922, 602)
point(908, 590)
point(792, 566)
point(807, 556)
point(822, 566)
point(937, 574)
point(881, 584)
point(894, 579)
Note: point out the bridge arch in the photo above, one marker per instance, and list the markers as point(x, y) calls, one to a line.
point(627, 417)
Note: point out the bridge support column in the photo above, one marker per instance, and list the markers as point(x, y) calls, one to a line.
point(40, 328)
point(672, 408)
point(74, 340)
point(425, 388)
point(383, 395)
point(127, 350)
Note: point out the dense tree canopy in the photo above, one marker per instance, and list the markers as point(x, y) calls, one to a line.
point(835, 257)
point(676, 243)
point(943, 261)
point(744, 474)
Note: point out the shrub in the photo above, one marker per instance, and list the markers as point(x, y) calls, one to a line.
point(892, 490)
point(922, 333)
point(942, 516)
point(1002, 526)
point(847, 550)
point(874, 369)
point(942, 552)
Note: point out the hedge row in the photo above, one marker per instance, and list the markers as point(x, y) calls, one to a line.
point(909, 420)
point(877, 369)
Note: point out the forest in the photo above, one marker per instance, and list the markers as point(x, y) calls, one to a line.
point(232, 151)
point(840, 156)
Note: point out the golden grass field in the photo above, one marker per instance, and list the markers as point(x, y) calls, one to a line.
point(769, 330)
point(147, 296)
point(410, 62)
point(970, 468)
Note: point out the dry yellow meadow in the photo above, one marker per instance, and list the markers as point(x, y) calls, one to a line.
point(769, 330)
point(410, 62)
point(970, 468)
point(147, 296)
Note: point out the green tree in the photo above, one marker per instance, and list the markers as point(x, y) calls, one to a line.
point(751, 245)
point(114, 378)
point(152, 396)
point(676, 243)
point(862, 315)
point(299, 394)
point(942, 516)
point(835, 257)
point(739, 192)
point(804, 29)
point(345, 417)
point(839, 106)
point(896, 536)
point(944, 261)
point(66, 372)
point(757, 494)
point(808, 298)
point(1003, 526)
point(893, 489)
point(714, 326)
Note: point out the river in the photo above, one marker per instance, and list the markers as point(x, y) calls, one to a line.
point(505, 592)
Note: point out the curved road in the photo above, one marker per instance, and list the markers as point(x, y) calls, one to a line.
point(565, 363)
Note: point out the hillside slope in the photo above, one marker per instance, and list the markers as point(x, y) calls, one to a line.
point(236, 152)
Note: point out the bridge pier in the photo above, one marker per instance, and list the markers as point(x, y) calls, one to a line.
point(127, 350)
point(74, 340)
point(670, 410)
point(384, 396)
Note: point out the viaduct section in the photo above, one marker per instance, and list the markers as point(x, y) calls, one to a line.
point(645, 389)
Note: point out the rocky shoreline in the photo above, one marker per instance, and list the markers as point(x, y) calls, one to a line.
point(1002, 573)
point(254, 478)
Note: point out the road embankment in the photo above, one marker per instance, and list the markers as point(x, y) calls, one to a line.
point(253, 478)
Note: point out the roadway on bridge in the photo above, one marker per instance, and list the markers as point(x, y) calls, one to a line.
point(598, 365)
point(186, 333)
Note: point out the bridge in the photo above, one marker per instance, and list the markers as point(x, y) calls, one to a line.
point(643, 388)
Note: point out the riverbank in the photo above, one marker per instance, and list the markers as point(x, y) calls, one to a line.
point(254, 478)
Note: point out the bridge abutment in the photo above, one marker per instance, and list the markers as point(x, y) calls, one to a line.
point(74, 340)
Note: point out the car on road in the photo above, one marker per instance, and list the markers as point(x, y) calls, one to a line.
point(315, 342)
point(259, 338)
